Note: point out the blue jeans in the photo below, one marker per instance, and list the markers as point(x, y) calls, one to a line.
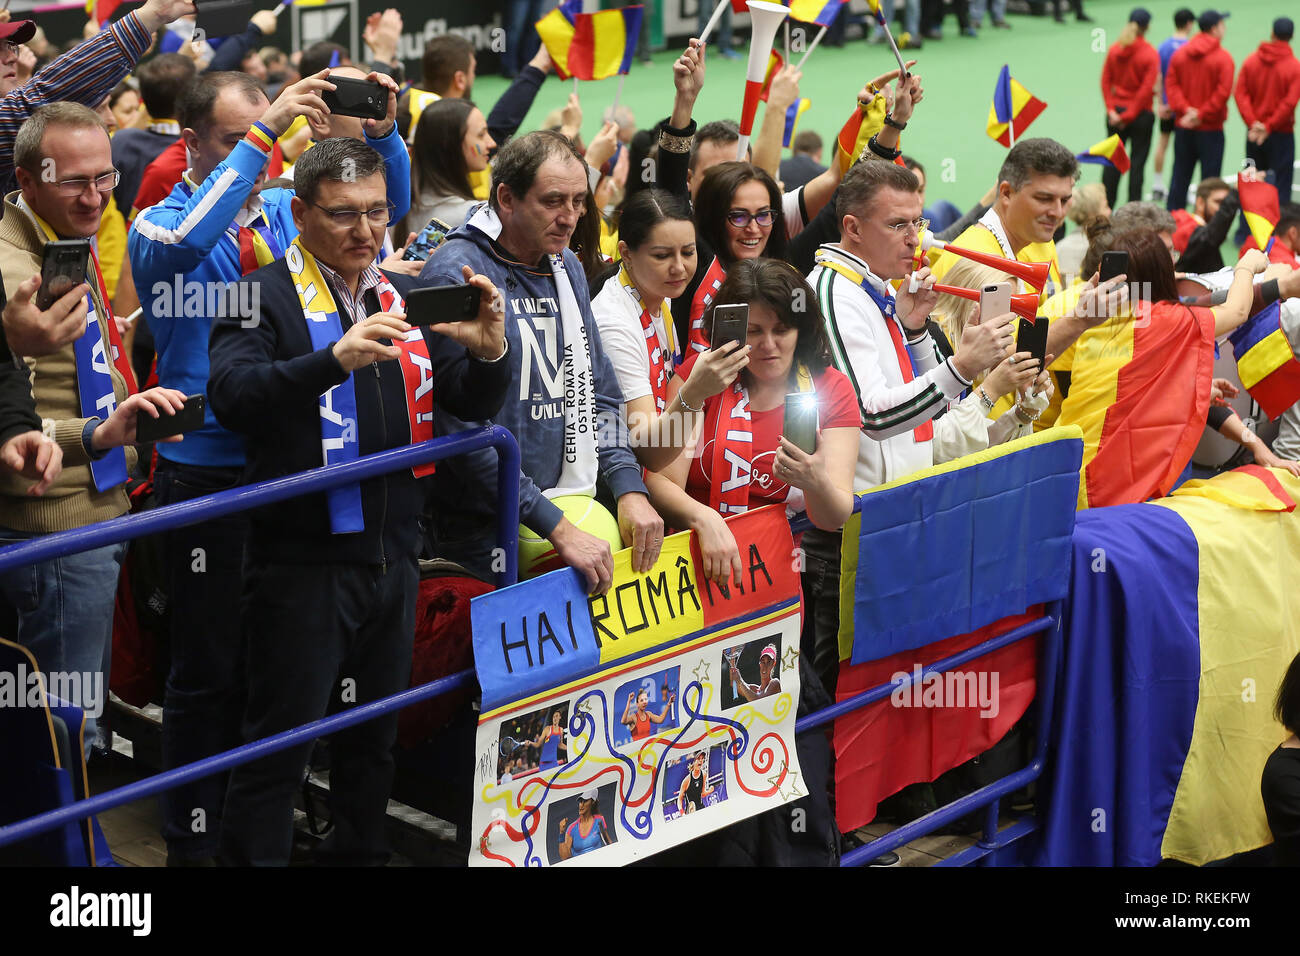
point(977, 8)
point(64, 608)
point(911, 16)
point(1190, 147)
point(723, 31)
point(522, 41)
point(204, 697)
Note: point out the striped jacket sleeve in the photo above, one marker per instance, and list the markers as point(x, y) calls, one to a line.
point(85, 74)
point(860, 346)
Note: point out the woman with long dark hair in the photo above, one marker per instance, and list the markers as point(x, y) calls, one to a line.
point(657, 258)
point(1145, 375)
point(741, 459)
point(1280, 785)
point(451, 141)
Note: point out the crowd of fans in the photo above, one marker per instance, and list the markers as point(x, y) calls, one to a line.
point(600, 268)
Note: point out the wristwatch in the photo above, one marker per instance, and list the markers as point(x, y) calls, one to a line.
point(890, 121)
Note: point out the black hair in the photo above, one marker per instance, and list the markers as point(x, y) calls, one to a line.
point(162, 80)
point(713, 201)
point(719, 131)
point(443, 57)
point(332, 160)
point(1042, 157)
point(647, 209)
point(1287, 706)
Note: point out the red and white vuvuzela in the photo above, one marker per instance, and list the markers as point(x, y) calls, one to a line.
point(1035, 274)
point(767, 19)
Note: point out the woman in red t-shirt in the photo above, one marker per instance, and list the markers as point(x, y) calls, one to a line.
point(740, 459)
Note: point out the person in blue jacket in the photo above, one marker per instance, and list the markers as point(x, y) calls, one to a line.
point(564, 399)
point(218, 225)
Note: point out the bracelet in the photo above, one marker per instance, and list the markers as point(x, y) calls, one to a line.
point(682, 402)
point(505, 349)
point(673, 143)
point(881, 151)
point(1025, 416)
point(893, 123)
point(987, 402)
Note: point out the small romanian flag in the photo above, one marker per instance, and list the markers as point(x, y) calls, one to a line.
point(590, 46)
point(1266, 362)
point(1259, 205)
point(821, 12)
point(864, 123)
point(102, 10)
point(1110, 151)
point(774, 63)
point(792, 120)
point(1012, 110)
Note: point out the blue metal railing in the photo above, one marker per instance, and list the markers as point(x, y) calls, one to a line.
point(239, 499)
point(252, 496)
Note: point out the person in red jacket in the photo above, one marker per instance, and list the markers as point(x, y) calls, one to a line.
point(1268, 89)
point(1128, 83)
point(1199, 83)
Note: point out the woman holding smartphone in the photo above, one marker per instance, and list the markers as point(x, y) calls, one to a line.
point(657, 256)
point(741, 458)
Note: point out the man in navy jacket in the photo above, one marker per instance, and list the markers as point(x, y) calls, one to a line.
point(321, 369)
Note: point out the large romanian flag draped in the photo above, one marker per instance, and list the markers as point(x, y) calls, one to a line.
point(1266, 363)
point(1259, 207)
point(907, 601)
point(1012, 110)
point(1109, 152)
point(1140, 390)
point(1182, 617)
point(590, 46)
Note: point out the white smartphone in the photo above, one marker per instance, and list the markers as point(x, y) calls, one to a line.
point(995, 299)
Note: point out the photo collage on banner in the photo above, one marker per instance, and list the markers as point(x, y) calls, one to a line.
point(616, 726)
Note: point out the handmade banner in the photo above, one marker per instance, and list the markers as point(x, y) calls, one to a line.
point(614, 727)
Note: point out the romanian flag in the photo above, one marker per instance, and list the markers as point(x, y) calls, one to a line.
point(821, 12)
point(896, 616)
point(792, 120)
point(102, 10)
point(1013, 109)
point(1110, 151)
point(590, 46)
point(774, 63)
point(1180, 622)
point(1266, 362)
point(1259, 206)
point(1140, 390)
point(862, 124)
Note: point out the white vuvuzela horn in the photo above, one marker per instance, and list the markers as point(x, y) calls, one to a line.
point(767, 19)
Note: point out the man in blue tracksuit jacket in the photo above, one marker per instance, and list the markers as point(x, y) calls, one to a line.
point(186, 253)
point(520, 242)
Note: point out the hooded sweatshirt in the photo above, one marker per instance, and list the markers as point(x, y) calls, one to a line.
point(464, 490)
point(1200, 78)
point(1128, 80)
point(1269, 87)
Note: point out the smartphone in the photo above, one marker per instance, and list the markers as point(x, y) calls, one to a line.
point(995, 300)
point(800, 427)
point(222, 18)
point(428, 239)
point(63, 265)
point(1031, 337)
point(442, 303)
point(730, 324)
point(1113, 264)
point(365, 98)
point(189, 418)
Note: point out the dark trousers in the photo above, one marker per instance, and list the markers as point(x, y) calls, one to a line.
point(932, 14)
point(321, 638)
point(1136, 137)
point(1276, 155)
point(819, 642)
point(204, 698)
point(1193, 146)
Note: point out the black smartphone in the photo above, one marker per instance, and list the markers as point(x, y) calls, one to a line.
point(428, 239)
point(1113, 264)
point(442, 303)
point(730, 324)
point(1031, 337)
point(800, 426)
point(63, 265)
point(189, 418)
point(222, 18)
point(367, 99)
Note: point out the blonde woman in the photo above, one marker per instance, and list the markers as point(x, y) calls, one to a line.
point(1128, 85)
point(966, 427)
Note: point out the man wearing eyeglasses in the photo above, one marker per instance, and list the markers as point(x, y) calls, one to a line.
point(332, 367)
point(218, 225)
point(64, 606)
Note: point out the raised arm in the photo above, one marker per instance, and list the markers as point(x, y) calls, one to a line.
point(783, 93)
